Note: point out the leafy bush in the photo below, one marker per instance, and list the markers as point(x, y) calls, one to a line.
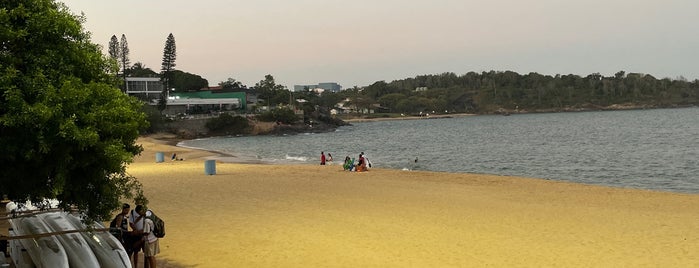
point(157, 122)
point(284, 115)
point(228, 124)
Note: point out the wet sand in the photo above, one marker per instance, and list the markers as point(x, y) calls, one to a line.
point(250, 215)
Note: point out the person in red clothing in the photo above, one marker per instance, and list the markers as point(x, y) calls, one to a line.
point(361, 166)
point(322, 158)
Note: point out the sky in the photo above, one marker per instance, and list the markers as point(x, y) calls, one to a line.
point(359, 42)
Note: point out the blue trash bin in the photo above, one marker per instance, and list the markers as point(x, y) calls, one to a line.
point(210, 167)
point(159, 157)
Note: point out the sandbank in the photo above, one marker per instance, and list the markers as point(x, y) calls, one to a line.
point(251, 215)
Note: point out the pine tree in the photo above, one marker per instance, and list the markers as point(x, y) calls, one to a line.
point(114, 49)
point(124, 57)
point(169, 55)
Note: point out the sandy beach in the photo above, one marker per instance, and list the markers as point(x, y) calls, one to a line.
point(251, 215)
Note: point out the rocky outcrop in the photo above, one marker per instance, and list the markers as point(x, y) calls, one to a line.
point(196, 128)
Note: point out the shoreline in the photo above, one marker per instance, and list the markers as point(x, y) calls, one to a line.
point(232, 157)
point(436, 116)
point(319, 216)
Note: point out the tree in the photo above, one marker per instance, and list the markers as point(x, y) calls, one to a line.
point(184, 81)
point(114, 49)
point(271, 92)
point(231, 83)
point(124, 57)
point(140, 70)
point(66, 131)
point(169, 55)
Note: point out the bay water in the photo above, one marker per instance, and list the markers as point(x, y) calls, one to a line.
point(655, 149)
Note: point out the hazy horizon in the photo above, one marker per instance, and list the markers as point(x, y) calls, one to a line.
point(360, 42)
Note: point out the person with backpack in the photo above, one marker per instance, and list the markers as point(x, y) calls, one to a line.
point(137, 223)
point(151, 245)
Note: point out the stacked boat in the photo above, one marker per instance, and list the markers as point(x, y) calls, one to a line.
point(60, 239)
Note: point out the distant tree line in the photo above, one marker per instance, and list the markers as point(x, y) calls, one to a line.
point(494, 90)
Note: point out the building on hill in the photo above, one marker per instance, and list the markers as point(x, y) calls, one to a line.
point(200, 102)
point(206, 100)
point(144, 88)
point(330, 86)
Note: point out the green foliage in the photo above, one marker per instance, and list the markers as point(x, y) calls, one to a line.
point(270, 93)
point(184, 81)
point(231, 84)
point(168, 65)
point(491, 91)
point(124, 55)
point(65, 130)
point(140, 70)
point(156, 121)
point(114, 49)
point(283, 115)
point(228, 124)
point(327, 99)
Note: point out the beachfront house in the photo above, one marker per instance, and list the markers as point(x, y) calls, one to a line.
point(204, 101)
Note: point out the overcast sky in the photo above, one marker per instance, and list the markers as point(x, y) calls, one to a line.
point(359, 42)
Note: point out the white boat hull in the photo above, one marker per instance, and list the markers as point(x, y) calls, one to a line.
point(108, 250)
point(44, 251)
point(78, 251)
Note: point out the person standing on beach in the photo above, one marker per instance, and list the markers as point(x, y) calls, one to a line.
point(322, 158)
point(330, 158)
point(151, 245)
point(137, 223)
point(121, 223)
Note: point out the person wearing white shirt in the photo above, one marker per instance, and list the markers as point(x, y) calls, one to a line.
point(136, 221)
point(151, 246)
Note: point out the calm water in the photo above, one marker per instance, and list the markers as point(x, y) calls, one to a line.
point(648, 149)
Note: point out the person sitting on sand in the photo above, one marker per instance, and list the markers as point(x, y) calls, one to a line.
point(361, 165)
point(348, 164)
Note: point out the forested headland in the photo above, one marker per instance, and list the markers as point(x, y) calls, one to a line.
point(508, 92)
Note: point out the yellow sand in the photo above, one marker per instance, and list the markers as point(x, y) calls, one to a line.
point(319, 216)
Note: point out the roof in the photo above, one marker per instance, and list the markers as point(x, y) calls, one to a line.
point(209, 95)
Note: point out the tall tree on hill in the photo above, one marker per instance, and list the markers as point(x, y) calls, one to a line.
point(114, 51)
point(66, 131)
point(124, 57)
point(169, 56)
point(270, 91)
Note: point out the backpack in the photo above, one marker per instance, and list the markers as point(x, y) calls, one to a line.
point(158, 225)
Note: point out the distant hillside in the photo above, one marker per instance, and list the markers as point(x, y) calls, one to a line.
point(496, 91)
